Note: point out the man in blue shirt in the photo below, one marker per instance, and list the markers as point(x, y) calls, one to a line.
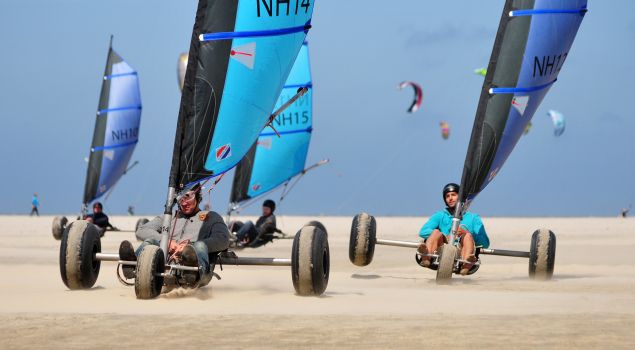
point(471, 232)
point(34, 204)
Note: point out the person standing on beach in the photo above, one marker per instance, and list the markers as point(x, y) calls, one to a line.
point(624, 211)
point(471, 233)
point(34, 205)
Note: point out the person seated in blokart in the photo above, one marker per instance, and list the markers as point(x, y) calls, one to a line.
point(248, 232)
point(99, 218)
point(194, 235)
point(471, 232)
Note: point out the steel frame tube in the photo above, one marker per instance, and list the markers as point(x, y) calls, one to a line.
point(167, 218)
point(503, 252)
point(255, 261)
point(115, 258)
point(107, 257)
point(404, 244)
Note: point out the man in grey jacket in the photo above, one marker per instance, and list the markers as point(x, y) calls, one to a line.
point(193, 235)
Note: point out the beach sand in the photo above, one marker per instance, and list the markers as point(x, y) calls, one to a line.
point(391, 303)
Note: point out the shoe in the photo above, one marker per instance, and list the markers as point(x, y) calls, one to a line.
point(189, 258)
point(423, 250)
point(126, 253)
point(466, 267)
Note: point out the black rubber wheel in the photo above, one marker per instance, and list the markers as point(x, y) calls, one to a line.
point(150, 264)
point(140, 222)
point(310, 261)
point(78, 266)
point(59, 224)
point(542, 254)
point(361, 247)
point(318, 225)
point(447, 256)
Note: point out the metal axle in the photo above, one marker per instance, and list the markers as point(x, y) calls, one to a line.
point(255, 261)
point(485, 251)
point(115, 258)
point(397, 243)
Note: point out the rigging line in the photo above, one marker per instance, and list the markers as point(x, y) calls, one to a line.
point(286, 191)
point(379, 170)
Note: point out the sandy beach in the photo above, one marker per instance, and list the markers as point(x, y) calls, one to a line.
point(590, 303)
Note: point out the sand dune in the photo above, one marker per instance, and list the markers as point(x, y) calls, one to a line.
point(590, 303)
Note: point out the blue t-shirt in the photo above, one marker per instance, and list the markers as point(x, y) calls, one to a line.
point(442, 220)
point(35, 201)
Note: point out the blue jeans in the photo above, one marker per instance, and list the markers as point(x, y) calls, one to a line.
point(247, 231)
point(199, 246)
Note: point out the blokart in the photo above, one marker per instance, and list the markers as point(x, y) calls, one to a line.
point(226, 102)
point(81, 256)
point(118, 114)
point(446, 261)
point(515, 84)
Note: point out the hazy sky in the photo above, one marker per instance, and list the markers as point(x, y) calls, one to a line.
point(383, 160)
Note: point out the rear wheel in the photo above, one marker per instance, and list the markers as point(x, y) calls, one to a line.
point(59, 224)
point(447, 255)
point(318, 225)
point(361, 247)
point(78, 266)
point(150, 266)
point(310, 261)
point(542, 254)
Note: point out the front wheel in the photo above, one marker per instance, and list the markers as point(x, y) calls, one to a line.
point(78, 266)
point(447, 257)
point(542, 254)
point(310, 261)
point(150, 269)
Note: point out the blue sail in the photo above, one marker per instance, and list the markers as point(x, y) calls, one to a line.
point(240, 57)
point(116, 127)
point(532, 44)
point(275, 160)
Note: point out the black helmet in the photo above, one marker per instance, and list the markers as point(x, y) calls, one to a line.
point(451, 187)
point(269, 204)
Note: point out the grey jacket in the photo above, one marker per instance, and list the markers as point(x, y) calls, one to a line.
point(206, 226)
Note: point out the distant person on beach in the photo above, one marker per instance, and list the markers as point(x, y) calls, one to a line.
point(34, 205)
point(248, 231)
point(130, 210)
point(99, 218)
point(194, 235)
point(471, 232)
point(624, 211)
